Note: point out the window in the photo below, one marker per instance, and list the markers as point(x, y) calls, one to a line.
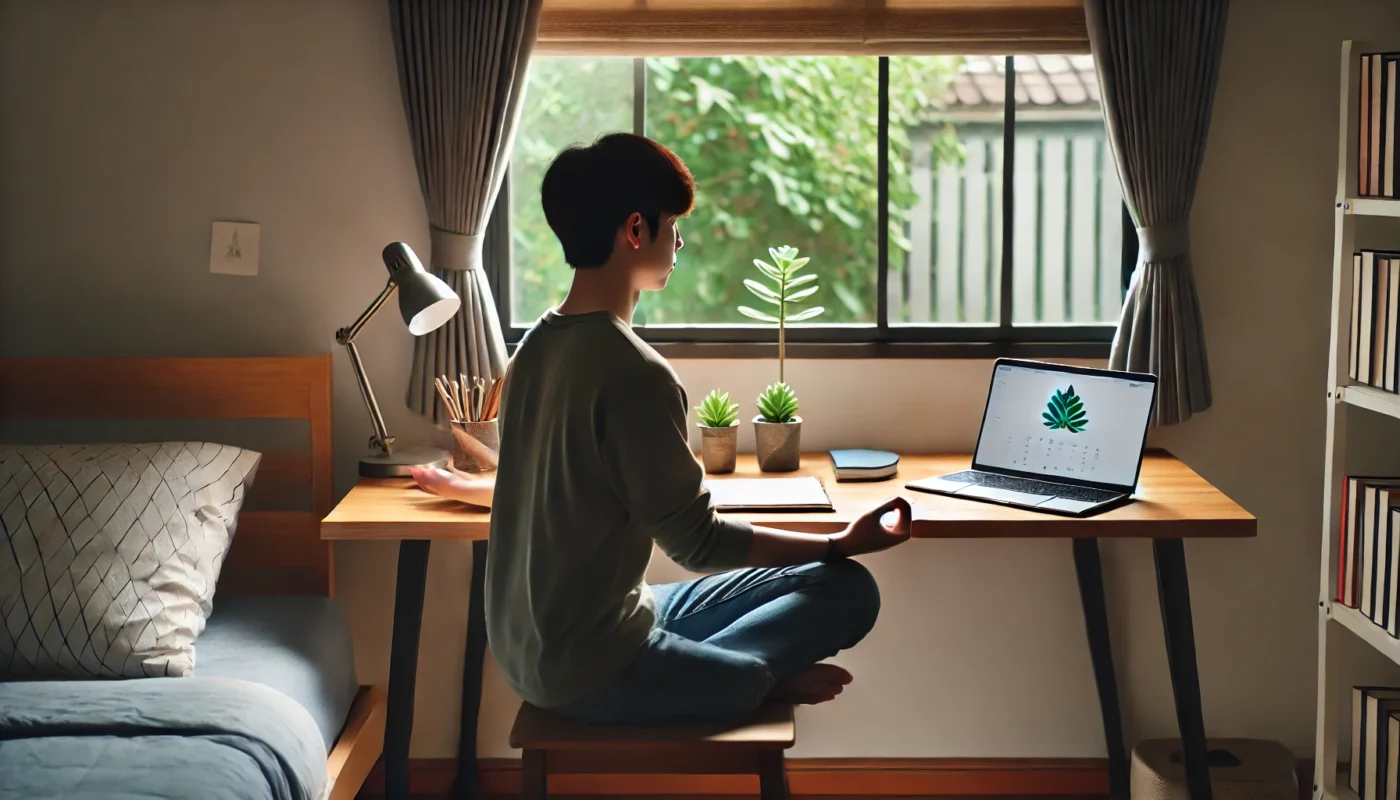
point(988, 239)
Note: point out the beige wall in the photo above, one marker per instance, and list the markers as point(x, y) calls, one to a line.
point(126, 128)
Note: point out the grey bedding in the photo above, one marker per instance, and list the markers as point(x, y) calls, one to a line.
point(176, 738)
point(273, 683)
point(298, 645)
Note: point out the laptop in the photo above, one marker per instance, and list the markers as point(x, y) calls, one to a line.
point(1055, 438)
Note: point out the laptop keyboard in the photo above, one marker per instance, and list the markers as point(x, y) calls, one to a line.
point(1032, 486)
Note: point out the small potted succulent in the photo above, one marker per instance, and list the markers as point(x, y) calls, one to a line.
point(719, 432)
point(778, 430)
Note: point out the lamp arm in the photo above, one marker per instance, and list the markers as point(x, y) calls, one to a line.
point(346, 337)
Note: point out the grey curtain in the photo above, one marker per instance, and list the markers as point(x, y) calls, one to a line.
point(1157, 62)
point(462, 73)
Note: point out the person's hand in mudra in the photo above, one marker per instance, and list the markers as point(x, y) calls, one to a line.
point(453, 484)
point(878, 529)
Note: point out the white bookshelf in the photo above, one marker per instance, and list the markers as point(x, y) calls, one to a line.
point(1336, 620)
point(1370, 632)
point(1343, 792)
point(1371, 207)
point(1372, 399)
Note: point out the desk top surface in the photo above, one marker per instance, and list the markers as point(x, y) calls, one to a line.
point(1172, 502)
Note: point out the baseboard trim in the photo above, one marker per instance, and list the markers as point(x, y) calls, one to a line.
point(865, 777)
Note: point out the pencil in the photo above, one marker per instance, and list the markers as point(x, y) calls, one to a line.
point(457, 397)
point(442, 392)
point(493, 399)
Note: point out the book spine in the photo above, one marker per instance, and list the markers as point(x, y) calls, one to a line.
point(1382, 617)
point(1367, 742)
point(1382, 295)
point(1358, 730)
point(1363, 131)
point(1391, 531)
point(1378, 127)
point(1375, 106)
point(1386, 574)
point(1354, 356)
point(1392, 760)
point(1354, 542)
point(1380, 732)
point(1368, 554)
point(1368, 315)
point(1392, 325)
point(1345, 548)
point(1392, 69)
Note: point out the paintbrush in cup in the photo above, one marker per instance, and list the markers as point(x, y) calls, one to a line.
point(437, 384)
point(493, 399)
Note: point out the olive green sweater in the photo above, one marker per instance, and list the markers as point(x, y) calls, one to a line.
point(595, 466)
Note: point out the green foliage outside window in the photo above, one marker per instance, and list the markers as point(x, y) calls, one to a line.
point(782, 149)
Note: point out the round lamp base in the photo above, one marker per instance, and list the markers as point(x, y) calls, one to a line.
point(396, 464)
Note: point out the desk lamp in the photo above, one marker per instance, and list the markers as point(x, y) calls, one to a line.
point(426, 304)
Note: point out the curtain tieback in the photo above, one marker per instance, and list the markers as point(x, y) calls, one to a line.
point(456, 251)
point(1163, 242)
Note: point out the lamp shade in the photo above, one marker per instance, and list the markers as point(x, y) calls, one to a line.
point(424, 300)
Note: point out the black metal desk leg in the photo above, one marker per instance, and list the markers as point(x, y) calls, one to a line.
point(1089, 570)
point(464, 784)
point(403, 664)
point(1175, 596)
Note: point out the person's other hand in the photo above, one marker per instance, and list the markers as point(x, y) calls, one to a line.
point(870, 533)
point(453, 484)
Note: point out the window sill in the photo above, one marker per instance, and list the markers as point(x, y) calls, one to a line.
point(1091, 342)
point(865, 340)
point(883, 350)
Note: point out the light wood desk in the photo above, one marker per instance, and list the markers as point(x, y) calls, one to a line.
point(1172, 503)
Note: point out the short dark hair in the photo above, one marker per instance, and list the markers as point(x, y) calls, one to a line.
point(589, 191)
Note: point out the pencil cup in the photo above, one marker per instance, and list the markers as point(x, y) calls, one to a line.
point(476, 445)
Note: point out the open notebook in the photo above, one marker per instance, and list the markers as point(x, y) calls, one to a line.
point(769, 494)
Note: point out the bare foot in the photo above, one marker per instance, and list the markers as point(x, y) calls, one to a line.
point(817, 685)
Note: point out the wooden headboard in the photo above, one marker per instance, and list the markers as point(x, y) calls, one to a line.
point(274, 552)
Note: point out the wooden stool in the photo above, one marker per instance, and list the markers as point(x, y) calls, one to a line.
point(555, 745)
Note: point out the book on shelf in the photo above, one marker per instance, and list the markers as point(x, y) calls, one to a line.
point(1373, 356)
point(1372, 708)
point(1378, 541)
point(1392, 758)
point(1368, 572)
point(1376, 129)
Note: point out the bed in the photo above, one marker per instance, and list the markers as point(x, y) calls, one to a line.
point(273, 708)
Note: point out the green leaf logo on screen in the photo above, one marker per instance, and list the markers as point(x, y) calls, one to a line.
point(1065, 411)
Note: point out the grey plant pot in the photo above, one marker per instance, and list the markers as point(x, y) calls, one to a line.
point(719, 448)
point(778, 444)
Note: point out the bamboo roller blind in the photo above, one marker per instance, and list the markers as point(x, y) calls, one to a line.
point(810, 27)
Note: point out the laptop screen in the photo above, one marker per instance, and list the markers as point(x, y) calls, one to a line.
point(1050, 422)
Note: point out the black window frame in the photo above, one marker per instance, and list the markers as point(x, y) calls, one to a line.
point(878, 340)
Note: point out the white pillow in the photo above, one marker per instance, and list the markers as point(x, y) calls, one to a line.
point(109, 554)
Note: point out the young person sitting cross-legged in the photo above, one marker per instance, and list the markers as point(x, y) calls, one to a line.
point(595, 466)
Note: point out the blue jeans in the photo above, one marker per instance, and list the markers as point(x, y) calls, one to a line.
point(720, 643)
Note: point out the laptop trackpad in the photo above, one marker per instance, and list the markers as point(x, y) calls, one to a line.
point(939, 484)
point(1006, 495)
point(1066, 504)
